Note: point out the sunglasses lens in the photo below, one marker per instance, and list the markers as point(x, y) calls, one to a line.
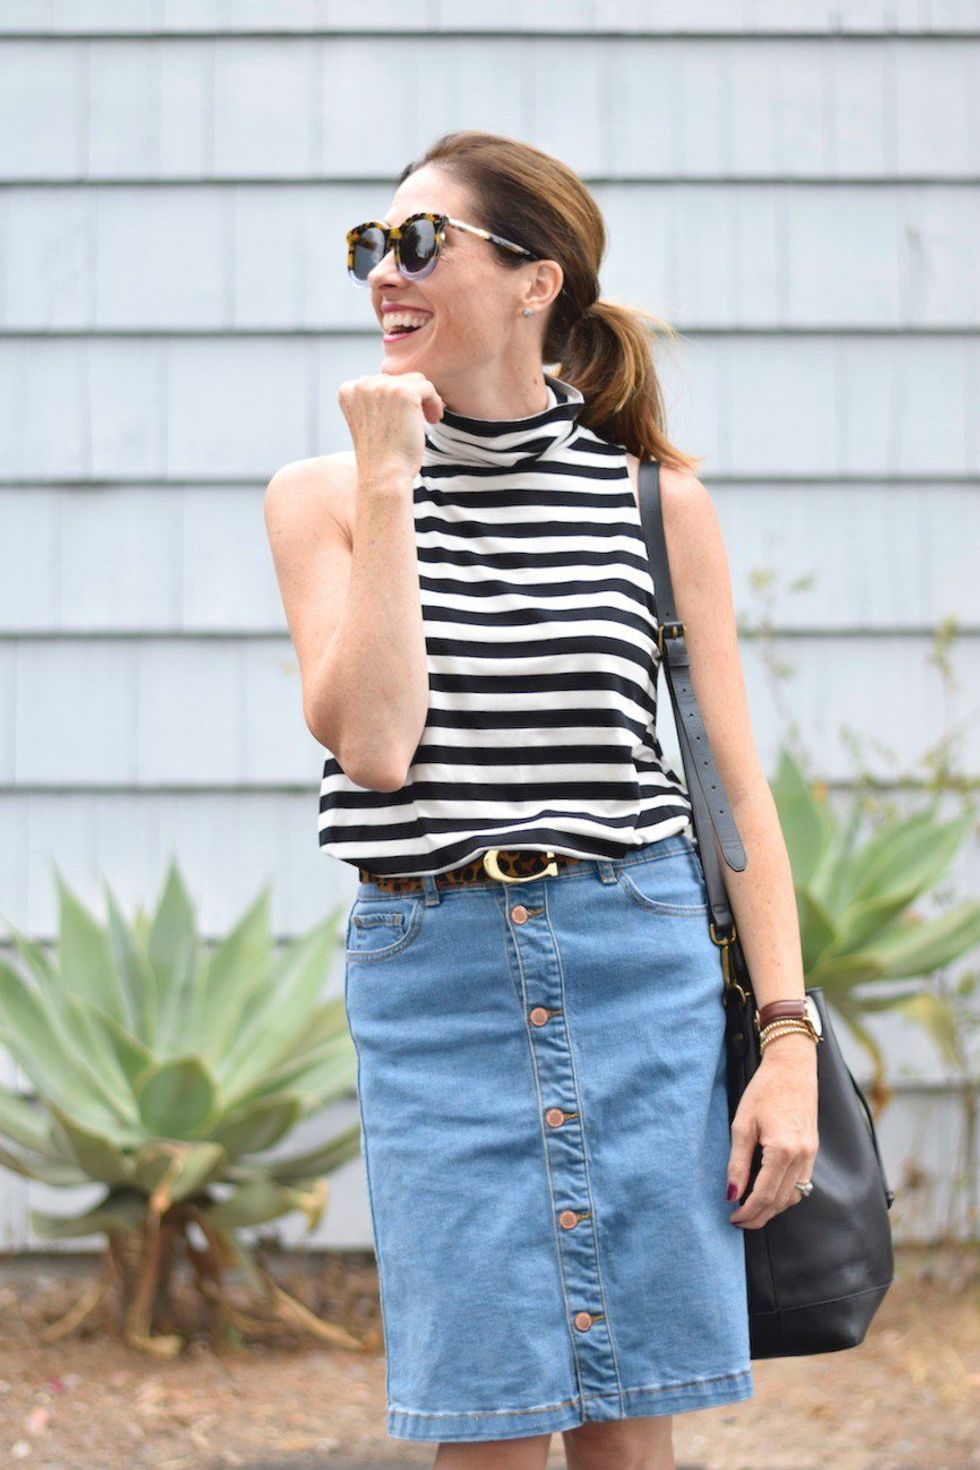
point(418, 247)
point(368, 250)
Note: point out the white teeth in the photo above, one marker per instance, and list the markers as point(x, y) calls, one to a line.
point(403, 319)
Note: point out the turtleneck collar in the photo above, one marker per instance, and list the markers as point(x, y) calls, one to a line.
point(457, 439)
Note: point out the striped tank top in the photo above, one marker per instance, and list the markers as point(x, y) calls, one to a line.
point(540, 632)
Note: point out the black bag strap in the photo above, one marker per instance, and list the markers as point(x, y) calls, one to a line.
point(711, 811)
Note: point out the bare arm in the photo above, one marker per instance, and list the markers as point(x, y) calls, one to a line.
point(762, 897)
point(352, 603)
point(778, 1109)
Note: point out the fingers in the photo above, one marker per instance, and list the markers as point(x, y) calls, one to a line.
point(743, 1137)
point(764, 1191)
point(433, 407)
point(774, 1189)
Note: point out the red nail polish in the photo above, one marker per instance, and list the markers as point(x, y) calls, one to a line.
point(732, 1191)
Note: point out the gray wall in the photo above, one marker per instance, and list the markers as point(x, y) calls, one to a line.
point(175, 319)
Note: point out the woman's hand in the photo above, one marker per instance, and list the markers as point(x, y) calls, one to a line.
point(386, 414)
point(779, 1110)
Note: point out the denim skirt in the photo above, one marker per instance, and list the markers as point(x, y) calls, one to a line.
point(541, 1077)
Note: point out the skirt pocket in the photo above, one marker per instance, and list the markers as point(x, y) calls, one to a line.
point(380, 928)
point(670, 883)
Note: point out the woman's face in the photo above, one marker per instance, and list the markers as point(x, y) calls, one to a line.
point(476, 324)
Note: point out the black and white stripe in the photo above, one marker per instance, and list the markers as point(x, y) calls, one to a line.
point(540, 633)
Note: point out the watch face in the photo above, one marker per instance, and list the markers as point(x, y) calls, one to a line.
point(814, 1014)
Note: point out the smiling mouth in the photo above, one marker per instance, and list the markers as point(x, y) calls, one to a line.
point(401, 332)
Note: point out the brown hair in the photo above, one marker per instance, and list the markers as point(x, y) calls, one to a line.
point(602, 347)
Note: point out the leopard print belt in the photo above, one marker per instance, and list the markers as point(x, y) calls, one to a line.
point(514, 863)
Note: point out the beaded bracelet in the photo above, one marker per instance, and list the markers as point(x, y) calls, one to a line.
point(781, 1028)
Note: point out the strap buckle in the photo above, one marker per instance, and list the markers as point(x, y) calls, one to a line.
point(492, 866)
point(672, 628)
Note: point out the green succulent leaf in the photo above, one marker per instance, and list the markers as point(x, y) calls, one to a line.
point(326, 1082)
point(806, 823)
point(320, 1075)
point(179, 1099)
point(867, 918)
point(136, 978)
point(141, 923)
point(838, 974)
point(35, 957)
point(834, 882)
point(871, 1003)
point(324, 1159)
point(24, 1122)
point(263, 1200)
point(97, 1154)
point(118, 1211)
point(258, 1125)
point(322, 1066)
point(45, 1170)
point(85, 955)
point(34, 1035)
point(186, 1168)
point(323, 1084)
point(922, 946)
point(908, 855)
point(173, 950)
point(817, 932)
point(276, 1024)
point(90, 1039)
point(239, 966)
point(328, 1023)
point(135, 1060)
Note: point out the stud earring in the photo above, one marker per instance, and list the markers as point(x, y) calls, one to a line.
point(527, 311)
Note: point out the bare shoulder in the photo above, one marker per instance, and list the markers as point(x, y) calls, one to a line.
point(304, 490)
point(687, 505)
point(681, 492)
point(695, 545)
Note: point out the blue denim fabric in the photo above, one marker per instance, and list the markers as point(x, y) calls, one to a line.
point(538, 1268)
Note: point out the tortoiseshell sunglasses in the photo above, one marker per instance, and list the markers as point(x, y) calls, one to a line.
point(417, 242)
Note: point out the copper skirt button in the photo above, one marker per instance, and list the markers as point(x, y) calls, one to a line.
point(519, 914)
point(554, 1117)
point(583, 1321)
point(568, 1219)
point(539, 1016)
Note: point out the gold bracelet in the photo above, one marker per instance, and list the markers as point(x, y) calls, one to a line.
point(782, 1028)
point(793, 1021)
point(785, 1028)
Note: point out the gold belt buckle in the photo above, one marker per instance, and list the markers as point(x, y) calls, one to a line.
point(493, 867)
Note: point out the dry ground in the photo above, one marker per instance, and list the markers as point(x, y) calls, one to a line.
point(907, 1399)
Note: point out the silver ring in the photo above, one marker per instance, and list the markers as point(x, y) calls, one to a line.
point(805, 1187)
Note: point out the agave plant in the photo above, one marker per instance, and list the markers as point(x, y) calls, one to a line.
point(165, 1073)
point(855, 902)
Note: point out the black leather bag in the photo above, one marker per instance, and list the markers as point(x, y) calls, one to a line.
point(818, 1271)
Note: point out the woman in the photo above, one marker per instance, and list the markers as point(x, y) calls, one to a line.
point(531, 987)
